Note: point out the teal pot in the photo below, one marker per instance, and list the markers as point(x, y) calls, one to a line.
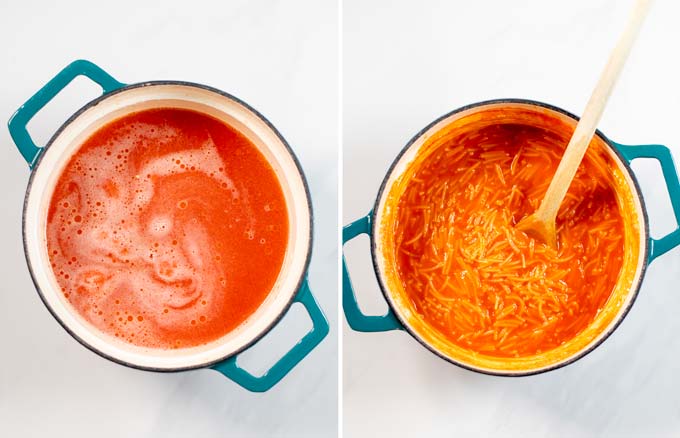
point(46, 164)
point(398, 317)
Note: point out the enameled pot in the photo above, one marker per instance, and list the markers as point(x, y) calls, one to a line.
point(639, 248)
point(118, 99)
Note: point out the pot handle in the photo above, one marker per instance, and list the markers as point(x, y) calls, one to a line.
point(17, 123)
point(670, 175)
point(355, 317)
point(278, 371)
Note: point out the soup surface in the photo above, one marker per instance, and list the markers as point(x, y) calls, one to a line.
point(167, 229)
point(474, 277)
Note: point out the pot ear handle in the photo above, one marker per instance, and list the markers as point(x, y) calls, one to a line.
point(355, 317)
point(278, 371)
point(17, 123)
point(663, 155)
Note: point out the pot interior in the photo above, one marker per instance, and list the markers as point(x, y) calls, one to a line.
point(182, 96)
point(468, 122)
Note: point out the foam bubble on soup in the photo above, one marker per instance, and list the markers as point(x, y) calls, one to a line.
point(146, 227)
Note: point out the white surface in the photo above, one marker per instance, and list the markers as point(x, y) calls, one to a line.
point(405, 64)
point(280, 57)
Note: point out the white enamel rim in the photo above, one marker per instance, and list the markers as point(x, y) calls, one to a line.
point(219, 105)
point(408, 154)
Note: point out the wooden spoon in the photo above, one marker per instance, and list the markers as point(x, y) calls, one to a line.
point(541, 224)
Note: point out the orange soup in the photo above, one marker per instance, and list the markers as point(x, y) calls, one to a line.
point(167, 229)
point(475, 278)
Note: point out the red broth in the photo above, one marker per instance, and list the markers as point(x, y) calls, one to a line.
point(167, 229)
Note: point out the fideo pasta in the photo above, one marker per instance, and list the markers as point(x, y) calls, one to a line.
point(475, 278)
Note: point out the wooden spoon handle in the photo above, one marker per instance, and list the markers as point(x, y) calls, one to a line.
point(591, 115)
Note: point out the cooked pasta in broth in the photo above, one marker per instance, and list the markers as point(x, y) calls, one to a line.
point(478, 280)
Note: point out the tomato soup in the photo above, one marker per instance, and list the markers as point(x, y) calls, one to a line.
point(475, 278)
point(167, 229)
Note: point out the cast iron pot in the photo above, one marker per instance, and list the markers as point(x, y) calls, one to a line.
point(118, 99)
point(639, 248)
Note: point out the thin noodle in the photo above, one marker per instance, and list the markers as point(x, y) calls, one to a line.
point(478, 280)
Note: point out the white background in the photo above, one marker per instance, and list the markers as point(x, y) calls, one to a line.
point(280, 57)
point(408, 62)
